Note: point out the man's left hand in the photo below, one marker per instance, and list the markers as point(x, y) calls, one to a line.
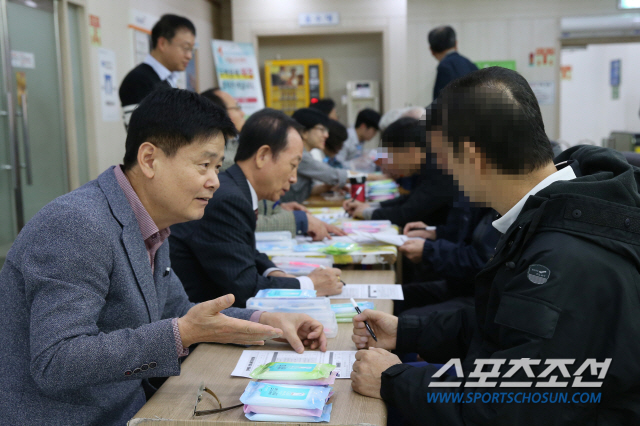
point(366, 374)
point(413, 249)
point(335, 230)
point(299, 330)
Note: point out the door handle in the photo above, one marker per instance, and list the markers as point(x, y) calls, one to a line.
point(12, 140)
point(25, 136)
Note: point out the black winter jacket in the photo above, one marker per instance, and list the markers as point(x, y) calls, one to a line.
point(563, 284)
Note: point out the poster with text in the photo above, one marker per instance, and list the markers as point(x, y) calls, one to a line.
point(238, 75)
point(108, 85)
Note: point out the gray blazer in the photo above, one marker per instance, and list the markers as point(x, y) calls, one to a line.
point(84, 321)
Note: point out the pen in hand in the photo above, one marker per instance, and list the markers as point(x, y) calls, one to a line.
point(343, 283)
point(366, 324)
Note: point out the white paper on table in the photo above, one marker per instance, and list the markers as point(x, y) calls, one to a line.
point(250, 360)
point(370, 291)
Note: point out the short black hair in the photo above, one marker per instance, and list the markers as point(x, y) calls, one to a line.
point(325, 105)
point(171, 119)
point(495, 109)
point(211, 95)
point(405, 132)
point(167, 26)
point(337, 135)
point(309, 118)
point(265, 127)
point(369, 118)
point(442, 38)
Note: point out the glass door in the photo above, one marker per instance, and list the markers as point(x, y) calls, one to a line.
point(32, 139)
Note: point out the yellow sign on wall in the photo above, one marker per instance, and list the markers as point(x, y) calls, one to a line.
point(293, 83)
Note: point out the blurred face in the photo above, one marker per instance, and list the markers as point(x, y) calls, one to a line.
point(316, 136)
point(467, 167)
point(333, 114)
point(182, 184)
point(278, 174)
point(233, 109)
point(176, 54)
point(403, 161)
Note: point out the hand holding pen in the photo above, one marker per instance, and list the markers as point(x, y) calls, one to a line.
point(384, 326)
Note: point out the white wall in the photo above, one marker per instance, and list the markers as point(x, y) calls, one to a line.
point(493, 30)
point(114, 20)
point(587, 110)
point(256, 18)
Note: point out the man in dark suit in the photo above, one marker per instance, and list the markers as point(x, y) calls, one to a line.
point(172, 41)
point(444, 47)
point(217, 255)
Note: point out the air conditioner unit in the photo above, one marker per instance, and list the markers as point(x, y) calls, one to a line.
point(622, 25)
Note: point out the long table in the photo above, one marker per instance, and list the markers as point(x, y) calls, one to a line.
point(211, 364)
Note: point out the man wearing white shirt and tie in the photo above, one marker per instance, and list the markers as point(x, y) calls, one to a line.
point(172, 41)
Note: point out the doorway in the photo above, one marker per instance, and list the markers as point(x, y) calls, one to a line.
point(346, 57)
point(34, 144)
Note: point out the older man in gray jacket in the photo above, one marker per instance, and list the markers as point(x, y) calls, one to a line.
point(89, 305)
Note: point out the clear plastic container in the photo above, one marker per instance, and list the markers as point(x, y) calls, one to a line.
point(318, 308)
point(300, 266)
point(275, 246)
point(286, 293)
point(289, 305)
point(273, 236)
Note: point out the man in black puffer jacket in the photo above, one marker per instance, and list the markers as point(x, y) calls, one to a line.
point(557, 307)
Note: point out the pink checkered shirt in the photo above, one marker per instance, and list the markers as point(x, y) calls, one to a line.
point(152, 236)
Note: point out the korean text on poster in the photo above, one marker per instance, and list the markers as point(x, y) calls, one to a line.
point(238, 75)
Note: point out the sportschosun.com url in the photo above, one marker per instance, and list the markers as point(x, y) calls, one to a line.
point(515, 397)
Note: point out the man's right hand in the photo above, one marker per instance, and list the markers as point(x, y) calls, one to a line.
point(326, 281)
point(416, 229)
point(355, 208)
point(205, 323)
point(385, 327)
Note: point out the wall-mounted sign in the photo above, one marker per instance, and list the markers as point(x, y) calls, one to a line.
point(566, 72)
point(614, 77)
point(96, 34)
point(545, 91)
point(322, 18)
point(238, 75)
point(142, 21)
point(504, 64)
point(542, 57)
point(108, 85)
point(23, 59)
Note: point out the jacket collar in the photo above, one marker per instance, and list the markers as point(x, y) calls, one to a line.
point(237, 175)
point(131, 239)
point(502, 224)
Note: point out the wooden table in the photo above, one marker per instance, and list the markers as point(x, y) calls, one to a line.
point(319, 201)
point(173, 403)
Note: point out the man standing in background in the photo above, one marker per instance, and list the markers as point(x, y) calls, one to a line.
point(172, 41)
point(444, 47)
